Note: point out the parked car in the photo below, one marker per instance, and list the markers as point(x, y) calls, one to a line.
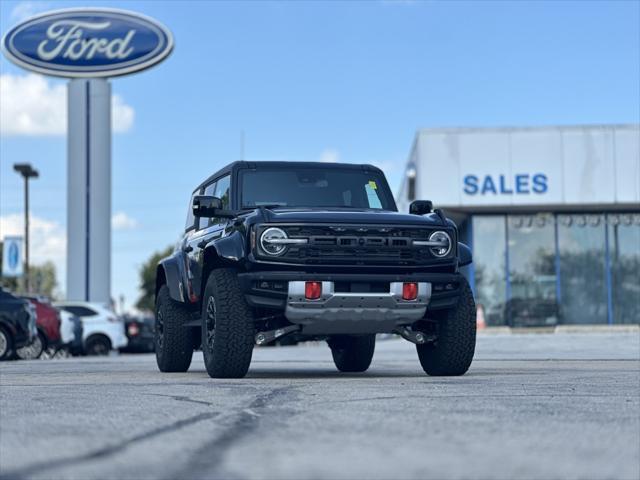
point(48, 325)
point(71, 332)
point(532, 312)
point(139, 331)
point(317, 250)
point(17, 324)
point(102, 332)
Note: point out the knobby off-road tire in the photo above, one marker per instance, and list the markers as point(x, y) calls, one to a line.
point(173, 341)
point(227, 326)
point(352, 353)
point(453, 350)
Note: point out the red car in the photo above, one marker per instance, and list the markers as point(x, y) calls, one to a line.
point(48, 324)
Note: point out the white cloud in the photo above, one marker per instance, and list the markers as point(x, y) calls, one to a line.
point(31, 105)
point(329, 156)
point(122, 221)
point(122, 115)
point(47, 241)
point(24, 10)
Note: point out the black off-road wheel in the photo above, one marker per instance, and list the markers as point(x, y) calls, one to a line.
point(452, 352)
point(352, 353)
point(227, 326)
point(173, 341)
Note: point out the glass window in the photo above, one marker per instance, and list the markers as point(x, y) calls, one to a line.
point(532, 273)
point(583, 289)
point(316, 187)
point(624, 248)
point(209, 190)
point(223, 190)
point(372, 196)
point(79, 311)
point(489, 266)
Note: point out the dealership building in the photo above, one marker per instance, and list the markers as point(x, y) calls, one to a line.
point(552, 215)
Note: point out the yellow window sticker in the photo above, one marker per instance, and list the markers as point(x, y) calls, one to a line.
point(373, 184)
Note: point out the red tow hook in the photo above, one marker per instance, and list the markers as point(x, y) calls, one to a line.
point(312, 290)
point(409, 291)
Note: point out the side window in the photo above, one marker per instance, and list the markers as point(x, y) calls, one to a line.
point(209, 190)
point(79, 311)
point(87, 312)
point(190, 223)
point(222, 191)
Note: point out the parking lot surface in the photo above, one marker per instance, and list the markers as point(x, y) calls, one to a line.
point(532, 406)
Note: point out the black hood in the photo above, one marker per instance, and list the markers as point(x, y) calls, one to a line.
point(282, 215)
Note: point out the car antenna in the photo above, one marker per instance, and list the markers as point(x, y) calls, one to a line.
point(242, 144)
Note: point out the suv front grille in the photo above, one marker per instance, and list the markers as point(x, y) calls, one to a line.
point(359, 245)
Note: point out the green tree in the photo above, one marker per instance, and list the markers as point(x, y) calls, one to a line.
point(42, 279)
point(148, 279)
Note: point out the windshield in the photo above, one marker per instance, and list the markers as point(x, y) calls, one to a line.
point(315, 187)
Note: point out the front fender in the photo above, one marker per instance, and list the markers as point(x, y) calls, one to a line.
point(464, 255)
point(231, 248)
point(168, 272)
point(222, 252)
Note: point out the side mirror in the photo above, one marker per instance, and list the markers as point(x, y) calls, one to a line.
point(421, 207)
point(206, 206)
point(464, 255)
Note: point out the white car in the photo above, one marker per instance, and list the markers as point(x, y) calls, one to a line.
point(102, 332)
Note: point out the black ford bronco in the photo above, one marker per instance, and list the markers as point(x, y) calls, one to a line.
point(317, 250)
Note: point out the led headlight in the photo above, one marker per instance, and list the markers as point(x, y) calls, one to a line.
point(441, 242)
point(273, 241)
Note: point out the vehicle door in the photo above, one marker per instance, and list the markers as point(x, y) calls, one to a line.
point(188, 259)
point(209, 229)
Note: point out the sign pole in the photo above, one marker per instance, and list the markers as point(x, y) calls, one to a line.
point(89, 190)
point(26, 234)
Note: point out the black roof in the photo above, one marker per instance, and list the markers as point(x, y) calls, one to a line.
point(228, 169)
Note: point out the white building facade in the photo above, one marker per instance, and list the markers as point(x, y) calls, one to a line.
point(552, 215)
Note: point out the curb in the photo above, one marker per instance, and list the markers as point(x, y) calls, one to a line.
point(495, 331)
point(597, 329)
point(561, 329)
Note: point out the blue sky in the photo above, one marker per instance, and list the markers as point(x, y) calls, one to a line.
point(350, 81)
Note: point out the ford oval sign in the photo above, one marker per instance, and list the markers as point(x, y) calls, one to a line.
point(88, 42)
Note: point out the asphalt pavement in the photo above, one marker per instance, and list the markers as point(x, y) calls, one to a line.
point(532, 406)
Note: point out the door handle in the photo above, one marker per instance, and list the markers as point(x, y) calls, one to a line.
point(202, 244)
point(187, 249)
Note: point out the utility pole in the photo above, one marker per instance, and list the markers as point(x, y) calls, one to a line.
point(27, 172)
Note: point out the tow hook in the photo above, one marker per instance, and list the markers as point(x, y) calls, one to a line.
point(418, 338)
point(262, 338)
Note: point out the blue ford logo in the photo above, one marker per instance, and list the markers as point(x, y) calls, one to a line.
point(13, 256)
point(91, 42)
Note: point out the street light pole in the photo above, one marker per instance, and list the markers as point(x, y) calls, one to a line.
point(27, 172)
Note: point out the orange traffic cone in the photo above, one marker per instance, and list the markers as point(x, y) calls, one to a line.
point(480, 322)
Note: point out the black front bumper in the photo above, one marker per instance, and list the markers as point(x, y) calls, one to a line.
point(268, 289)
